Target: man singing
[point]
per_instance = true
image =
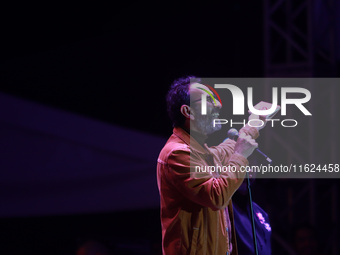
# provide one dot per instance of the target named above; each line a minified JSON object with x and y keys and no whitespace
{"x":196,"y":208}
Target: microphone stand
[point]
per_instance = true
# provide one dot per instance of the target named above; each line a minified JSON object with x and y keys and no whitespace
{"x":251,"y":207}
{"x":233,"y":134}
{"x":252,"y":216}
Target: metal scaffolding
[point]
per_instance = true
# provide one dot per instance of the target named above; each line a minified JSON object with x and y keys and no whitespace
{"x":297,"y":43}
{"x":300,"y":41}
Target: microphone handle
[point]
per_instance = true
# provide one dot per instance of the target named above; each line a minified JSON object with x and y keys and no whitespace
{"x":233,"y":134}
{"x":269,"y":160}
{"x":252,"y":216}
{"x":264,"y":155}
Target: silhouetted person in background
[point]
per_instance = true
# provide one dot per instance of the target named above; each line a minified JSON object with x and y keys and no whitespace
{"x":92,"y":248}
{"x":305,"y":240}
{"x":243,"y":224}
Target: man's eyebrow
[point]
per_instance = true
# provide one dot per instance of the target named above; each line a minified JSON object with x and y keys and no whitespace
{"x":212,"y":95}
{"x":215,"y":93}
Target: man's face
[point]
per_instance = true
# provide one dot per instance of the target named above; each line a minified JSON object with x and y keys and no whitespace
{"x":204,"y":123}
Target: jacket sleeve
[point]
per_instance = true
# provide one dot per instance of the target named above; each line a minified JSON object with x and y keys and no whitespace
{"x":201,"y":187}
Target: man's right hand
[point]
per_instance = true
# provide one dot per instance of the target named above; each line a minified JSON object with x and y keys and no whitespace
{"x":245,"y":145}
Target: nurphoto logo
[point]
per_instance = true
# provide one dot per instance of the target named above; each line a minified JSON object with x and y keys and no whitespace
{"x":262,"y":108}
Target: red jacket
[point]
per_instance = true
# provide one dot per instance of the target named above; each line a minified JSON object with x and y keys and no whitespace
{"x":193,"y":214}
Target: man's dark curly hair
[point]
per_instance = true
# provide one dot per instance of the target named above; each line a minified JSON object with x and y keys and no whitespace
{"x":178,"y":95}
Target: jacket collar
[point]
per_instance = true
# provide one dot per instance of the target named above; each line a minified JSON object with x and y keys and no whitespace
{"x":189,"y":140}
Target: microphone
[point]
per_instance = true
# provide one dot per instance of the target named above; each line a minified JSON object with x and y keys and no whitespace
{"x":233,"y":134}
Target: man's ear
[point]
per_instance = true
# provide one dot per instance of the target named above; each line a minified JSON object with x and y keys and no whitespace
{"x":187,"y":112}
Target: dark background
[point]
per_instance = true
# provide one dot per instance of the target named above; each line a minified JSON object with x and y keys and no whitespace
{"x":114,"y":63}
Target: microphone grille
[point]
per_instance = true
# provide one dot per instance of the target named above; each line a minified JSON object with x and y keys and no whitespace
{"x":232,"y":134}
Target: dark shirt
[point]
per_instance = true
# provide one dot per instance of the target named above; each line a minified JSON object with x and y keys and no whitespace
{"x":244,"y":232}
